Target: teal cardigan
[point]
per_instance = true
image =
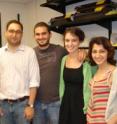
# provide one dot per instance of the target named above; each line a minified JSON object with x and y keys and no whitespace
{"x":87,"y":73}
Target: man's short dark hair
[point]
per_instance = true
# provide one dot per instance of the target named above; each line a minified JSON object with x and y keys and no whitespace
{"x":16,"y":22}
{"x":42,"y":24}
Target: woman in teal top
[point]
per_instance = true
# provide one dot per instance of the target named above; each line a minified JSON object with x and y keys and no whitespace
{"x":74,"y":78}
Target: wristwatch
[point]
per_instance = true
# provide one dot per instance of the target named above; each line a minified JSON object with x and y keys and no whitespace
{"x":30,"y":105}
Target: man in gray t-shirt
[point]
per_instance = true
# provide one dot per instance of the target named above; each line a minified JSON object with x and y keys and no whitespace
{"x":49,"y":57}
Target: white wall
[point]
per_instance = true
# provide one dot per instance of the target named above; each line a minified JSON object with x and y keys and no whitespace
{"x":30,"y":14}
{"x":9,"y":11}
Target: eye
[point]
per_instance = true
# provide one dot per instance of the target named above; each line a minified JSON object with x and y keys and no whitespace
{"x":66,"y":40}
{"x":94,"y":51}
{"x":102,"y":51}
{"x":37,"y":34}
{"x":13,"y":31}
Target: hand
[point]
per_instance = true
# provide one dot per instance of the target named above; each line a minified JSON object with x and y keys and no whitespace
{"x":82,"y":53}
{"x":29,"y":112}
{"x":1,"y":112}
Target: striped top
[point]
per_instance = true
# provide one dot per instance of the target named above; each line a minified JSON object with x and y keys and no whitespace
{"x":99,"y":96}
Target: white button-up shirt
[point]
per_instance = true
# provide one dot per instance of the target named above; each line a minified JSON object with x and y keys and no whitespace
{"x":18,"y":72}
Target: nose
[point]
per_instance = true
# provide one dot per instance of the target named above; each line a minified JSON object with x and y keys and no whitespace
{"x":97,"y":54}
{"x":40,"y":36}
{"x":70,"y":43}
{"x":14,"y":34}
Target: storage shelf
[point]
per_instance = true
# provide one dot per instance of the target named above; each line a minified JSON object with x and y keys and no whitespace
{"x":105,"y":22}
{"x":59,"y":27}
{"x":56,"y":5}
{"x":59,"y":5}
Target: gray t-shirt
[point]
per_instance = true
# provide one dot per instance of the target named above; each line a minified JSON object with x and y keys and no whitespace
{"x":49,"y":62}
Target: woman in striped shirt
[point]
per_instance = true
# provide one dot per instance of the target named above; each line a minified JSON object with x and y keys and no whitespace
{"x":101,"y":53}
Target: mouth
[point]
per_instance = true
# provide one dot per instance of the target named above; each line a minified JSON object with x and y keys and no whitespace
{"x":98,"y":60}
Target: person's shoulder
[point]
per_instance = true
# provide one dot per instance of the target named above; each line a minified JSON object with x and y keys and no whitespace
{"x":28,"y":48}
{"x":57,"y":46}
{"x":64,"y":57}
{"x":115,"y":70}
{"x":60,"y":49}
{"x":36,"y":48}
{"x":86,"y":62}
{"x":2,"y":48}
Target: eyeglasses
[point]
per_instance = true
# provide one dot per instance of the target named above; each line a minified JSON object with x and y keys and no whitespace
{"x":16,"y":32}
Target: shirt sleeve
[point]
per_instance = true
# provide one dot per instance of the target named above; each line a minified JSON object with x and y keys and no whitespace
{"x":34,"y":71}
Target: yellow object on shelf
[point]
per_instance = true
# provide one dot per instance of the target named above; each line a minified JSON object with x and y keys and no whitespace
{"x":99,"y":7}
{"x":113,"y":12}
{"x":68,"y":14}
{"x":100,"y":2}
{"x":114,"y":39}
{"x":114,"y":44}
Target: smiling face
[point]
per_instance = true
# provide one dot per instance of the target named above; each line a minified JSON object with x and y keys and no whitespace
{"x":42,"y":36}
{"x":99,"y":54}
{"x":13,"y":34}
{"x":71,"y":42}
{"x":101,"y":50}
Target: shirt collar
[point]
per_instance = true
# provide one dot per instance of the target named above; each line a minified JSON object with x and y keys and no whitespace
{"x":20,"y":47}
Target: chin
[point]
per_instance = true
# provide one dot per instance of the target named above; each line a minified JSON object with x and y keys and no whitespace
{"x":99,"y":63}
{"x":15,"y":44}
{"x":71,"y":51}
{"x":43,"y":45}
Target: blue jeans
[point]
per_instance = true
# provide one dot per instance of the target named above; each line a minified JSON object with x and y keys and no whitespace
{"x":46,"y":113}
{"x":13,"y":113}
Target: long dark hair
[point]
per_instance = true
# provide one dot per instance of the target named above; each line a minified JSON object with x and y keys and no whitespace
{"x":105,"y":42}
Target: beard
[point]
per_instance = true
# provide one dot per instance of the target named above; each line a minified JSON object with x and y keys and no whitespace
{"x":43,"y":45}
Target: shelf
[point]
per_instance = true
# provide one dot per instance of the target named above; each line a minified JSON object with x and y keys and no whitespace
{"x":59,"y":24}
{"x":115,"y":46}
{"x":105,"y":22}
{"x":69,"y":23}
{"x":59,"y":5}
{"x":57,"y":29}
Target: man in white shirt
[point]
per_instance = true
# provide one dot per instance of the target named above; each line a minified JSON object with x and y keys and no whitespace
{"x":19,"y":77}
